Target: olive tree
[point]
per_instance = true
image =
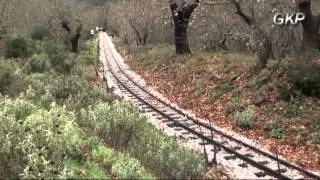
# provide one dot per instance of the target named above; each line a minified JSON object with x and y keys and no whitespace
{"x":181,"y":11}
{"x":61,"y":17}
{"x":311,"y":24}
{"x":139,"y":22}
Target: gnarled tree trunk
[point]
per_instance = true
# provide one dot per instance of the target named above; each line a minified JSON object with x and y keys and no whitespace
{"x":311,"y":25}
{"x":74,"y":38}
{"x":181,"y":12}
{"x":263,"y":45}
{"x":181,"y":38}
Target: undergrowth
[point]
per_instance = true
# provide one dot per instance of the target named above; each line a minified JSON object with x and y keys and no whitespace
{"x":55,"y":124}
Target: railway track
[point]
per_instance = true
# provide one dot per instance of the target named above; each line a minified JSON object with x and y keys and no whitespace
{"x":241,"y":156}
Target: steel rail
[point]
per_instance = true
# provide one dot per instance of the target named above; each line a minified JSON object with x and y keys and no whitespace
{"x":267,"y":170}
{"x":253,"y":148}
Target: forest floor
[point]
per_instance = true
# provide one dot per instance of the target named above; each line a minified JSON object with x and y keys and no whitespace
{"x":216,"y":85}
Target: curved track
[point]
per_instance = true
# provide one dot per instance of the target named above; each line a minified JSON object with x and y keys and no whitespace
{"x":210,"y":139}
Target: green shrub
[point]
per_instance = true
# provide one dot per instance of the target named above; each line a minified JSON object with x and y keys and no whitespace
{"x":38,"y":63}
{"x":200,"y":83}
{"x":316,"y":125}
{"x":234,"y":104}
{"x":276,"y":128}
{"x":34,"y":142}
{"x":121,"y":165}
{"x":89,"y":53}
{"x":104,"y":155}
{"x":236,"y":92}
{"x":73,"y":91}
{"x":214,"y":95}
{"x":75,"y":169}
{"x":316,"y":139}
{"x":304,"y":74}
{"x":16,"y":47}
{"x":96,"y":172}
{"x":219,"y":91}
{"x":294,"y":100}
{"x":245,"y":119}
{"x":168,"y":158}
{"x":121,"y":126}
{"x":226,"y":87}
{"x":288,"y":93}
{"x":6,"y":77}
{"x":277,"y":133}
{"x":71,"y":169}
{"x":293,"y":110}
{"x":19,"y":108}
{"x":40,"y":32}
{"x":61,"y":60}
{"x":129,"y":168}
{"x":12,"y":79}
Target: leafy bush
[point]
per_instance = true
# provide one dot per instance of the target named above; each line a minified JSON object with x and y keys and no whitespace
{"x":121,"y":165}
{"x":96,"y":172}
{"x":236,"y":92}
{"x":40,"y":32}
{"x":12,"y":79}
{"x":316,"y":139}
{"x":122,"y":127}
{"x":316,"y":125}
{"x":226,"y":87}
{"x":245,"y":119}
{"x":219,"y":91}
{"x":75,"y":169}
{"x":104,"y":155}
{"x":294,"y":100}
{"x":129,"y":168}
{"x":38,"y":63}
{"x":34,"y":142}
{"x":293,"y":109}
{"x":19,"y":109}
{"x":47,"y":143}
{"x":16,"y":47}
{"x":200,"y":83}
{"x":72,"y":91}
{"x":288,"y":93}
{"x":276,"y":128}
{"x":234,"y":104}
{"x":305,"y":74}
{"x":6,"y":77}
{"x":166,"y":157}
{"x":61,"y":60}
{"x":89,"y":53}
{"x":277,"y":133}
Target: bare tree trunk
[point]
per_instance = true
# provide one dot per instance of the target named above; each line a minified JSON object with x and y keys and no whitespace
{"x":311,"y":25}
{"x":263,"y":45}
{"x":145,"y":36}
{"x":263,"y":48}
{"x":74,"y":44}
{"x":74,"y":39}
{"x":181,"y":13}
{"x":181,"y":39}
